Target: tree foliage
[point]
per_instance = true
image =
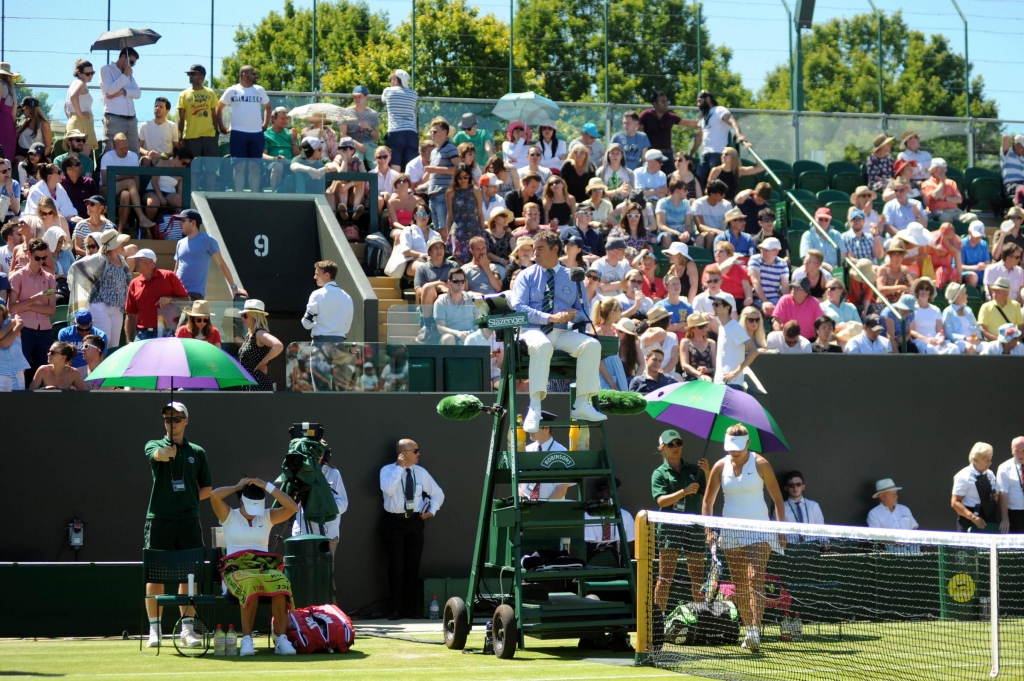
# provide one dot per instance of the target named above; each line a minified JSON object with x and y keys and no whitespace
{"x":920,"y":75}
{"x":280,"y":45}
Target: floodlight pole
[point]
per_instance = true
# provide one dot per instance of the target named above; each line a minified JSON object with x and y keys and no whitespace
{"x":511,"y":42}
{"x":878,"y":15}
{"x":312,"y":70}
{"x":211,"y":42}
{"x":792,"y":80}
{"x":606,"y":91}
{"x":108,"y":27}
{"x":700,"y":65}
{"x":967,"y":61}
{"x":412,"y":67}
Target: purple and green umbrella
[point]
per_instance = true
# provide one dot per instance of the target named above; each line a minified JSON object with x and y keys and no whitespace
{"x":169,"y":363}
{"x":708,"y":409}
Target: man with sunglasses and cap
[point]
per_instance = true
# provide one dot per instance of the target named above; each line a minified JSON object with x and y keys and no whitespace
{"x":75,"y":335}
{"x":410,"y":496}
{"x":197,"y":106}
{"x":469,"y":131}
{"x":181,"y":479}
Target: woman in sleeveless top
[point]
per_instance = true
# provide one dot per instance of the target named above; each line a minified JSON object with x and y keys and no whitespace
{"x":259,"y":347}
{"x":78,"y":103}
{"x":697,"y":351}
{"x":559,"y":205}
{"x":742,"y":477}
{"x":894,"y":279}
{"x":731,"y":171}
{"x":8,"y":111}
{"x":465,"y":213}
{"x":607,"y":314}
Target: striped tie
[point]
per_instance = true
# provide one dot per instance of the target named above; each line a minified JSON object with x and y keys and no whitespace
{"x":548,"y":305}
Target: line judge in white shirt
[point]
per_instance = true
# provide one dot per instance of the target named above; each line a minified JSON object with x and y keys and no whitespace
{"x":598,"y":535}
{"x":543,"y":442}
{"x":117,"y":81}
{"x":329,"y":310}
{"x":971,"y":486}
{"x":1010,"y":482}
{"x":410,"y":497}
{"x":889,"y":514}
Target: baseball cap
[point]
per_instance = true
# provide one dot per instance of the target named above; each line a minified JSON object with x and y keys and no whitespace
{"x":822,"y":211}
{"x":1018,"y":139}
{"x":360,"y":90}
{"x":771,"y":244}
{"x":96,"y":198}
{"x":873,"y":322}
{"x":857,"y":213}
{"x":615,"y":243}
{"x":591,"y":129}
{"x":403,"y":76}
{"x":37,"y":149}
{"x":801,"y":282}
{"x":976,"y":228}
{"x":176,"y":406}
{"x":345,"y":143}
{"x":654,"y":155}
{"x":939,"y":163}
{"x":669,"y":435}
{"x":724,"y":297}
{"x":573,"y":239}
{"x":83,"y":318}
{"x":146,"y":253}
{"x":197,"y":68}
{"x":489,"y":180}
{"x":313,"y":143}
{"x":190,"y":214}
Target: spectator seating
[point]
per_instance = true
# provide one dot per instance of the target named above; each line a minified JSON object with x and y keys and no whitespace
{"x":836,"y":167}
{"x":389,"y":295}
{"x":794,"y":236}
{"x":776,"y":165}
{"x":810,"y":175}
{"x":846,"y":182}
{"x":827,"y":196}
{"x":807,"y":198}
{"x":838,"y":208}
{"x":984,"y":188}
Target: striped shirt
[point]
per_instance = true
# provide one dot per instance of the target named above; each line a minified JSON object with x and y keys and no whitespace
{"x":445,"y":157}
{"x":1013,"y":166}
{"x":401,"y":104}
{"x":771,"y":275}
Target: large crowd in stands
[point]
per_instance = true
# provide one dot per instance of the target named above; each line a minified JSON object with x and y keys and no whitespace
{"x":679,"y":258}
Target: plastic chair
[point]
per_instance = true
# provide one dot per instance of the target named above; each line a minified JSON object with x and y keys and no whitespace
{"x":699,"y":255}
{"x":986,"y":193}
{"x":786,"y":180}
{"x":60,"y":314}
{"x":828,"y":195}
{"x":846,"y":182}
{"x":971,"y":173}
{"x":777,"y":165}
{"x":57,"y":326}
{"x":748,"y":182}
{"x":174,"y":567}
{"x":801,"y":167}
{"x":807,"y":199}
{"x":812,"y":180}
{"x":794,"y":236}
{"x":839,"y":209}
{"x":836,"y":167}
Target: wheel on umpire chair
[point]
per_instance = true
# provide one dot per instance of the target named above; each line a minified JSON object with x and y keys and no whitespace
{"x":456,"y":623}
{"x":506,"y":632}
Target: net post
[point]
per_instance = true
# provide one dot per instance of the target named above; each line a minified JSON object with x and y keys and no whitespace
{"x":993,"y":595}
{"x":643,"y":585}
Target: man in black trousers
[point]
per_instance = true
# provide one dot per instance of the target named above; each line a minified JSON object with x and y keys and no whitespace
{"x":410,"y":497}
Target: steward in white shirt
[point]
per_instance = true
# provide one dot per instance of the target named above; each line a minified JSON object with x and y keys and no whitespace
{"x":329,"y":310}
{"x":543,"y":442}
{"x":1010,"y":482}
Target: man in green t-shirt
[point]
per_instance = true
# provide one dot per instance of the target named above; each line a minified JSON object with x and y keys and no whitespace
{"x":678,"y":486}
{"x":196,"y":128}
{"x":282,"y":145}
{"x":181,"y":479}
{"x":481,"y":139}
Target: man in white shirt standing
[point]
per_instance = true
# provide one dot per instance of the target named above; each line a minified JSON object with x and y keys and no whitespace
{"x":246,"y":99}
{"x":543,"y":442}
{"x":1010,"y":484}
{"x":712,"y":136}
{"x":329,"y":310}
{"x":117,"y":81}
{"x":410,"y":497}
{"x":158,"y":136}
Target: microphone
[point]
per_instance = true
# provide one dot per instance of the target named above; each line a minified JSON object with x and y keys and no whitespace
{"x":577,"y":275}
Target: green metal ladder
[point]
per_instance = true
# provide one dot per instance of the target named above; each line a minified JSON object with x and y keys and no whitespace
{"x":532,"y":602}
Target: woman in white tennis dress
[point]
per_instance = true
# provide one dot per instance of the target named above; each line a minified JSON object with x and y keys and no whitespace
{"x":742,"y":476}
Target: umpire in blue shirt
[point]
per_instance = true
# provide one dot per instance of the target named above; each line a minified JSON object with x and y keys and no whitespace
{"x":547,"y":294}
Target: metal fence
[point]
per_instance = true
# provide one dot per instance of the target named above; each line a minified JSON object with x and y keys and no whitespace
{"x":784,"y":135}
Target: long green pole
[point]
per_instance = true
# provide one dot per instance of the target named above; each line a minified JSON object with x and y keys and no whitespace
{"x":211,"y":42}
{"x":511,"y":43}
{"x":412,"y":67}
{"x":700,"y":66}
{"x":967,"y":61}
{"x":606,"y":91}
{"x":312,"y":71}
{"x":789,"y":31}
{"x":878,"y":15}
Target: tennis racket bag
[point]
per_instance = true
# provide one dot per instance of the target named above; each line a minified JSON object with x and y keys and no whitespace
{"x":320,"y":628}
{"x":716,"y":623}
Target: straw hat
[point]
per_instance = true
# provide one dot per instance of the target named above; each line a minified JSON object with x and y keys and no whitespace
{"x":907,"y":136}
{"x":885,"y":485}
{"x":596,"y":183}
{"x":896,"y":246}
{"x":860,"y":191}
{"x":1015,"y":212}
{"x":695,"y":321}
{"x":916,"y":288}
{"x":5,"y":70}
{"x":880,"y":141}
{"x":255,"y":306}
{"x":657,"y":313}
{"x":954,"y":290}
{"x":500,"y":210}
{"x":627,"y":326}
{"x":733,"y":214}
{"x":520,"y":242}
{"x":200,"y":308}
{"x":866,"y":269}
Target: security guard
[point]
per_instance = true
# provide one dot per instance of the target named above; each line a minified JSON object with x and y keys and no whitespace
{"x":181,"y":479}
{"x":543,"y":442}
{"x":410,"y":497}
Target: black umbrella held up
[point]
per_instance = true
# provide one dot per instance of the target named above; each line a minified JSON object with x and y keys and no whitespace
{"x":125,"y":37}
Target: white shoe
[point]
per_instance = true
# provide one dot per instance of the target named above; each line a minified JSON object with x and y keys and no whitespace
{"x":190,"y":639}
{"x":282,"y":646}
{"x":587,"y":412}
{"x":246,"y":647}
{"x":752,"y":641}
{"x":531,"y":423}
{"x":154,"y":638}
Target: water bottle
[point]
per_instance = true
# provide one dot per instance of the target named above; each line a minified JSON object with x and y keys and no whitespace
{"x":520,"y":433}
{"x":160,"y":327}
{"x":786,"y":629}
{"x":798,"y":628}
{"x":231,"y":642}
{"x":583,"y":440}
{"x":435,"y":609}
{"x":219,"y":641}
{"x":574,"y":436}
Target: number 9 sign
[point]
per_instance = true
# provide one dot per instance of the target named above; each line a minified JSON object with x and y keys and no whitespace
{"x":262,"y":244}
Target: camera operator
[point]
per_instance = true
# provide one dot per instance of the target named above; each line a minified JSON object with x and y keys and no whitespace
{"x":330,"y":529}
{"x":181,"y":479}
{"x":410,"y":497}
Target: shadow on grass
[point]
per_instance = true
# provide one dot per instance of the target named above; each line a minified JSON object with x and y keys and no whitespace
{"x":4,"y":672}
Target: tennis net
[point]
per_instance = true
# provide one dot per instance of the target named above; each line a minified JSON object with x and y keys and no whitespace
{"x":828,"y":601}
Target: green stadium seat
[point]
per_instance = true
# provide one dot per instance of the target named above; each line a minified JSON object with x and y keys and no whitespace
{"x":986,"y":193}
{"x":960,"y":228}
{"x":839,"y":209}
{"x":940,"y":301}
{"x":812,"y":180}
{"x":748,"y":182}
{"x":776,"y":164}
{"x":878,"y":205}
{"x":785,"y":178}
{"x":801,"y":167}
{"x":977,"y":171}
{"x":836,"y":167}
{"x":933,"y":225}
{"x":797,"y":225}
{"x":839,"y":225}
{"x":794,"y":237}
{"x":828,"y":195}
{"x":698,"y":254}
{"x":59,"y":314}
{"x":807,"y":199}
{"x":846,"y":182}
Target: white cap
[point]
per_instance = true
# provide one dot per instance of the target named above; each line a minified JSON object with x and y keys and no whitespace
{"x":1007,"y":225}
{"x":177,"y":406}
{"x":736,"y":443}
{"x":679,"y":248}
{"x":938,"y":163}
{"x":977,"y":228}
{"x":490,"y":180}
{"x":655,"y":155}
{"x":771,"y":244}
{"x":1018,"y":139}
{"x":255,"y":507}
{"x":313,"y":143}
{"x":403,"y":77}
{"x":144,"y":253}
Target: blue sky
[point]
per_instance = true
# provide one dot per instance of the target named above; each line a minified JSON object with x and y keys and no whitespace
{"x":44,"y":50}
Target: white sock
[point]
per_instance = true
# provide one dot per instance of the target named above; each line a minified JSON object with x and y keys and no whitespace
{"x":535,"y":404}
{"x":581,"y":401}
{"x":186,"y":624}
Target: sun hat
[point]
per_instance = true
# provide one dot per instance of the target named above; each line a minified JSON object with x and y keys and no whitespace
{"x":896,"y":246}
{"x":468,"y":121}
{"x":669,"y":435}
{"x":866,"y":269}
{"x":906,"y":302}
{"x":72,"y":133}
{"x":678,"y":248}
{"x":520,"y":125}
{"x":596,"y":183}
{"x":849,"y":330}
{"x":627,"y":326}
{"x":861,"y":191}
{"x":520,"y":242}
{"x":1002,"y":283}
{"x":255,"y":306}
{"x":914,"y":233}
{"x":5,"y":70}
{"x":200,"y":308}
{"x":256,"y":507}
{"x":922,"y":281}
{"x":885,"y":485}
{"x":1008,"y":332}
{"x":880,"y":141}
{"x":1015,"y":211}
{"x":907,"y":136}
{"x":977,"y":228}
{"x":733,"y":214}
{"x":953,"y":290}
{"x":901,"y":164}
{"x":695,"y":321}
{"x":403,"y":77}
{"x":657,"y":313}
{"x":435,"y":241}
{"x":500,"y":210}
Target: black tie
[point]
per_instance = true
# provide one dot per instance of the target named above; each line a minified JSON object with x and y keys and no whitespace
{"x":799,"y":513}
{"x":409,"y":485}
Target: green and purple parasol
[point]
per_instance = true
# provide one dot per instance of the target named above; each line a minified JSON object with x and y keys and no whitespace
{"x":170,"y":363}
{"x":708,"y":409}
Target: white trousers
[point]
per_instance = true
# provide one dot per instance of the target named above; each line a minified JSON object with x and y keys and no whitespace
{"x":585,"y":349}
{"x":109,"y":320}
{"x":947,"y":348}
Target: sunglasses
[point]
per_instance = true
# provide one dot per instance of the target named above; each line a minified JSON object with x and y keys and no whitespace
{"x":47,"y":214}
{"x":901,"y":191}
{"x":173,"y":419}
{"x":794,"y":484}
{"x":633,"y":216}
{"x":824,"y":220}
{"x":86,"y":346}
{"x":533,"y":154}
{"x":244,"y":315}
{"x":201,"y":320}
{"x":38,"y":259}
{"x":4,"y":171}
{"x":713,"y":281}
{"x":593,"y":277}
{"x":382,"y":157}
{"x":675,"y":443}
{"x":718,"y":303}
{"x":457,"y":281}
{"x":421,"y":214}
{"x":88,"y":73}
{"x":833,"y":288}
{"x":51,"y":353}
{"x":74,"y":165}
{"x":416,"y":451}
{"x":584,"y":212}
{"x":556,"y":182}
{"x":92,"y":247}
{"x":753,"y":320}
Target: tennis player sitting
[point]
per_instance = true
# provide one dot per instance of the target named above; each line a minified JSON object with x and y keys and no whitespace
{"x":249,"y":571}
{"x":742,"y":476}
